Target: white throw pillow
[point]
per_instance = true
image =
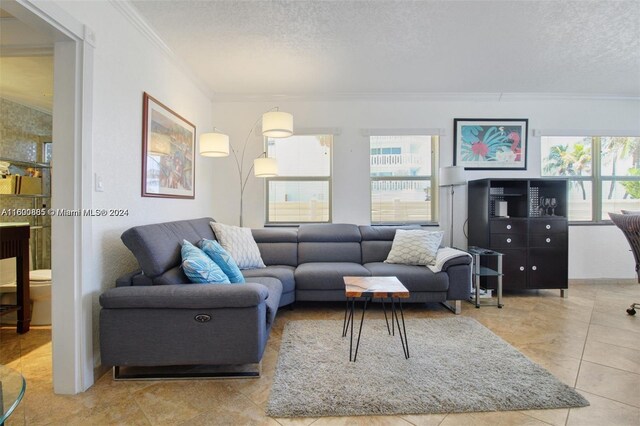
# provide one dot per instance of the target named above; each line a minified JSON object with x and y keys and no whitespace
{"x":415,"y":247}
{"x":240,"y":245}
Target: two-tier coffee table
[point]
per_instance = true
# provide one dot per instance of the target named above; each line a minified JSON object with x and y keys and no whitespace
{"x":371,"y":288}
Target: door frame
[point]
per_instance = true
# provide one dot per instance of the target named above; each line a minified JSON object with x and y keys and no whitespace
{"x":71,"y":236}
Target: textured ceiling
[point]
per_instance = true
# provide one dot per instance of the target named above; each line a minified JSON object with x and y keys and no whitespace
{"x":28,"y":80}
{"x":324,"y":48}
{"x":26,"y":64}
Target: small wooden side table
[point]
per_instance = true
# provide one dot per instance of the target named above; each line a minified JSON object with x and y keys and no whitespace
{"x":371,"y":288}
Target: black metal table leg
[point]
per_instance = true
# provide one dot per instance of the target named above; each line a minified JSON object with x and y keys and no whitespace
{"x":345,"y":324}
{"x":393,"y":314}
{"x":404,"y":329}
{"x":353,"y":303}
{"x":385,"y":315}
{"x":364,"y":308}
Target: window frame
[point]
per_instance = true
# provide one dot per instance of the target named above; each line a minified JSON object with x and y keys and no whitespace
{"x":328,"y":179}
{"x":433,"y":178}
{"x":596,"y":179}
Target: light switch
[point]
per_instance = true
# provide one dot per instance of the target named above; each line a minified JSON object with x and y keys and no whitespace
{"x":99,"y":185}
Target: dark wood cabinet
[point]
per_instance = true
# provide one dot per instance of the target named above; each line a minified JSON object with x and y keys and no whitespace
{"x":510,"y":216}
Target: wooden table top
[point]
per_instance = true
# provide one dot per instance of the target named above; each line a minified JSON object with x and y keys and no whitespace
{"x":375,"y":287}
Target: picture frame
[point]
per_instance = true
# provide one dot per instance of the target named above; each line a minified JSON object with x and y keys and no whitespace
{"x":168,"y":152}
{"x":490,"y":143}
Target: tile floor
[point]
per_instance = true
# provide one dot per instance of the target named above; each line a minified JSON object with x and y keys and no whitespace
{"x":587,"y":341}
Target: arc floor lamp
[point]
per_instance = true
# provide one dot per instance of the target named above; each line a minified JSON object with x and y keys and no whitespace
{"x":275,"y":124}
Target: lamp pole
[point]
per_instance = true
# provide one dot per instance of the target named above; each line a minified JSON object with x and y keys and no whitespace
{"x":452,"y":176}
{"x":240,"y":163}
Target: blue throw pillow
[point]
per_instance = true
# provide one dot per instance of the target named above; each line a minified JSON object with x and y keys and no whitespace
{"x":223,"y":259}
{"x":199,"y":267}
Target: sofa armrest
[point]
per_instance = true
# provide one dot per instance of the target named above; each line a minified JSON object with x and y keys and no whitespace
{"x":459,"y":260}
{"x":185,"y":296}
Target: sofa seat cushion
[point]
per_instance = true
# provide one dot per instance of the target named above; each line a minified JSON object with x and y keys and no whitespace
{"x":327,"y":275}
{"x":282,"y":272}
{"x":414,"y":277}
{"x":273,"y":299}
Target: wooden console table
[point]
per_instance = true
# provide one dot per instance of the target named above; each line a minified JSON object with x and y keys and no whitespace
{"x":14,"y":242}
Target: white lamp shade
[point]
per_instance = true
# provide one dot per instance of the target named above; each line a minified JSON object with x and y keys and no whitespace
{"x":265,"y":167}
{"x":277,"y":124}
{"x":452,"y":175}
{"x":214,"y":145}
{"x":159,"y":144}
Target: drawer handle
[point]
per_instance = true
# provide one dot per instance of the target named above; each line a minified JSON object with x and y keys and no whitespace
{"x":522,"y":268}
{"x":508,"y":226}
{"x":548,"y":240}
{"x":548,"y":226}
{"x":534,"y":268}
{"x":509,"y":240}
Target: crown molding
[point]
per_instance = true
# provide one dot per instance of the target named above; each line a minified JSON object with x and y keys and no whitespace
{"x":418,"y":97}
{"x":7,"y":51}
{"x":515,"y":96}
{"x":140,"y":23}
{"x":586,"y":132}
{"x":22,"y":102}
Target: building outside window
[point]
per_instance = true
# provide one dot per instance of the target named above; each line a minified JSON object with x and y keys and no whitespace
{"x":603,"y":173}
{"x":402,"y":178}
{"x":301,"y":193}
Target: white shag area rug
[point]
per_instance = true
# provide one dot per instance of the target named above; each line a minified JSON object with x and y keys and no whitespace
{"x":456,"y":365}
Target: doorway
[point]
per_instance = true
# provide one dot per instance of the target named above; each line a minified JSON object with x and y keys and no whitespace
{"x":71,"y":330}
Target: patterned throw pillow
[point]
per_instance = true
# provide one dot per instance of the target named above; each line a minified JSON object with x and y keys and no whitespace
{"x":222,"y":259}
{"x":415,"y":247}
{"x":199,"y":267}
{"x":239,"y":243}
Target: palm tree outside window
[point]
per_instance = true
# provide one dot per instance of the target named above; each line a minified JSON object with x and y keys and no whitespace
{"x":603,"y":173}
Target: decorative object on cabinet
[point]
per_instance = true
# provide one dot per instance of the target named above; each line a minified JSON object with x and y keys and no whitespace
{"x":535,"y":247}
{"x":452,"y":176}
{"x":168,"y":152}
{"x":490,"y":143}
{"x":275,"y":124}
{"x":629,"y":224}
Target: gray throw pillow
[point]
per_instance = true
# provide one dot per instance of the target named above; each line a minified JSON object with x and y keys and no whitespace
{"x":240,"y":245}
{"x":415,"y":247}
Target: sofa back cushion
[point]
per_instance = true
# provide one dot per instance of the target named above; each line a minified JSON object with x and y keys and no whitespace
{"x":277,"y":246}
{"x":157,"y":246}
{"x":377,"y":241}
{"x":337,"y":242}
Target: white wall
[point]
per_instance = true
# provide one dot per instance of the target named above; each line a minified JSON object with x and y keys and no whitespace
{"x":126,"y":64}
{"x":595,"y":251}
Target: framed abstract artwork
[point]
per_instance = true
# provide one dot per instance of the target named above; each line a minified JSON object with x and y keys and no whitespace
{"x":490,"y":143}
{"x":168,"y":152}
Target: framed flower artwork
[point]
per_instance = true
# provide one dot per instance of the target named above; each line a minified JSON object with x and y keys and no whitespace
{"x":490,"y":143}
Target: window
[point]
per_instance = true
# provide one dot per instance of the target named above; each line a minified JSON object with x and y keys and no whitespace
{"x":302,"y":191}
{"x":402,"y":177}
{"x":603,"y":173}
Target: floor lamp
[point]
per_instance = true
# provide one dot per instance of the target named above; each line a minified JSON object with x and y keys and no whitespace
{"x":452,"y":176}
{"x":275,"y":124}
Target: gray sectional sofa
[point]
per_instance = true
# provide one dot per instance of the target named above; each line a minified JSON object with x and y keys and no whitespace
{"x":151,"y":318}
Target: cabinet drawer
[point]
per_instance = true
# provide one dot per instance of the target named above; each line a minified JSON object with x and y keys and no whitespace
{"x":547,"y":226}
{"x":548,"y":239}
{"x":499,"y":241}
{"x":508,"y":226}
